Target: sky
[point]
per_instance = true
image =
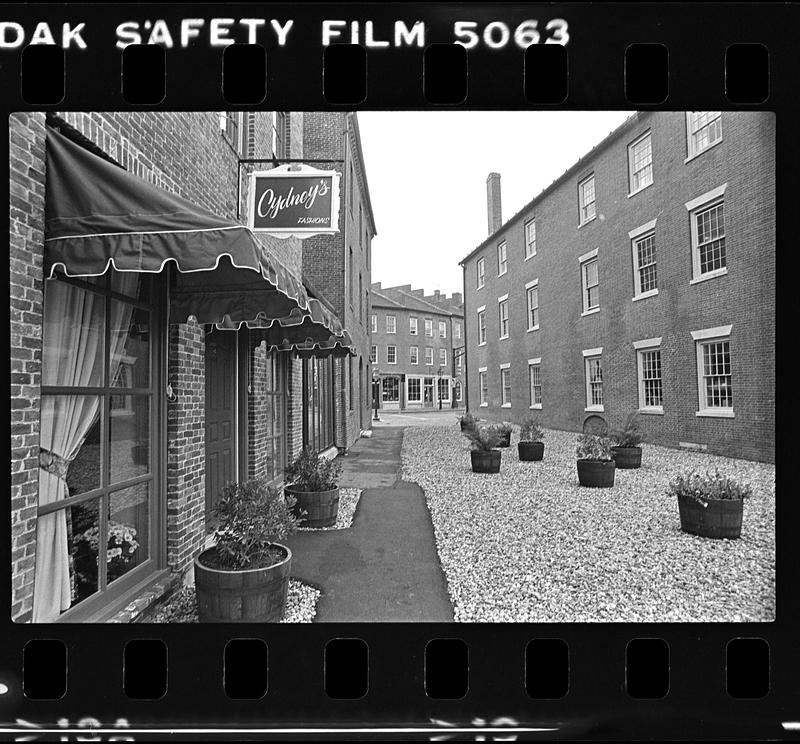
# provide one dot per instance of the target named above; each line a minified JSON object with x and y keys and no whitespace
{"x":427,"y":180}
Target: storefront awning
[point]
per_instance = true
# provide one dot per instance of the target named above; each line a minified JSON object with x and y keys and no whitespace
{"x":99,"y":216}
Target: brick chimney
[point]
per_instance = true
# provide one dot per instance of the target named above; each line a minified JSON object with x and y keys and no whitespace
{"x":457,"y":300}
{"x":493,"y":202}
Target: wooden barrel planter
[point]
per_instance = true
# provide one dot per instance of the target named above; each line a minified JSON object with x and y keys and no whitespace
{"x":485,"y":462}
{"x":627,"y":458}
{"x":720,"y":518}
{"x":530,"y":451}
{"x":321,"y":507}
{"x":596,"y":473}
{"x":254,"y":595}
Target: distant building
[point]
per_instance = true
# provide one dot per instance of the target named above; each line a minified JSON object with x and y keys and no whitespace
{"x":417,"y":347}
{"x":643,"y":279}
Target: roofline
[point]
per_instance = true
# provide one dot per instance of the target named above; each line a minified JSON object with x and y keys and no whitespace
{"x":389,"y":301}
{"x":438,"y":309}
{"x":359,"y":150}
{"x":605,"y":142}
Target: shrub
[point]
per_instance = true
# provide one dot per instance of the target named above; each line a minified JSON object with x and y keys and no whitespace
{"x":630,"y":435}
{"x":468,"y":420}
{"x":593,"y":447}
{"x":503,"y":429}
{"x":703,"y":487}
{"x":251,"y":515}
{"x":483,"y":438}
{"x":531,"y":431}
{"x":310,"y":472}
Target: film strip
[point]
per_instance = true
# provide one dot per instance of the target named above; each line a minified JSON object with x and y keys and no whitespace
{"x":113,"y":106}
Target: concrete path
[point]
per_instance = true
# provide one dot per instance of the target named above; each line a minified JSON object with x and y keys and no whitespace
{"x":384,"y":568}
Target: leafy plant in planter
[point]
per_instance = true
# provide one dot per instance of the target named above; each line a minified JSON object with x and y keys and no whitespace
{"x":244,"y":577}
{"x":315,"y":488}
{"x":626,"y":452}
{"x":467,"y":421}
{"x":504,"y":431}
{"x":710,"y":504}
{"x":483,"y":442}
{"x":530,"y":445}
{"x":595,"y":465}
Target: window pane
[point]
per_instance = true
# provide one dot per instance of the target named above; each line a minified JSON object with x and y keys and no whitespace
{"x":128,"y":530}
{"x":129,"y":437}
{"x":83,"y":534}
{"x":69,"y":422}
{"x":130,"y":346}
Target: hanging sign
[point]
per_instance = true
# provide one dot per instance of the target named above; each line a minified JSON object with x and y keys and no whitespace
{"x":292,"y":200}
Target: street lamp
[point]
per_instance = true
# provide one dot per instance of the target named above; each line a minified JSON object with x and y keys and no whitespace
{"x":439,"y":387}
{"x":376,"y":390}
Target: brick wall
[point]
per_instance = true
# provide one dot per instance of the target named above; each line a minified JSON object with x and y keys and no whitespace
{"x":26,"y":218}
{"x":186,"y":453}
{"x":259,"y":411}
{"x":743,"y":298}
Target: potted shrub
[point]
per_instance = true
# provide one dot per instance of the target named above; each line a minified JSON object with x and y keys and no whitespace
{"x":467,"y":421}
{"x":710,"y":505}
{"x":595,"y":464}
{"x":244,"y":577}
{"x":626,"y":452}
{"x":483,"y":453}
{"x":504,"y":432}
{"x":315,"y":489}
{"x":530,"y":445}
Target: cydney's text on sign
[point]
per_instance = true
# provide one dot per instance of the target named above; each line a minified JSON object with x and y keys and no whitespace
{"x":298,"y":201}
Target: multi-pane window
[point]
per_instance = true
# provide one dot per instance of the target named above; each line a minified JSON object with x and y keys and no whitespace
{"x":442,"y":329}
{"x":650,"y":388}
{"x":502,"y":306}
{"x":233,"y":125}
{"x":709,"y":238}
{"x":644,"y":256}
{"x":640,"y":163}
{"x":703,"y":129}
{"x":429,"y":327}
{"x":530,"y":238}
{"x":459,"y":358}
{"x":428,"y":355}
{"x":483,"y":386}
{"x":457,"y":330}
{"x":480,"y":269}
{"x":414,"y":389}
{"x":351,"y":277}
{"x":444,"y":389}
{"x":457,"y":388}
{"x":586,"y":200}
{"x":502,"y":259}
{"x":374,"y":323}
{"x":390,"y":388}
{"x":414,"y":354}
{"x":413,"y":326}
{"x":535,"y":381}
{"x":594,"y":382}
{"x":715,"y":374}
{"x":590,"y":282}
{"x":505,"y":386}
{"x":373,"y":354}
{"x":481,"y":327}
{"x":391,"y":324}
{"x":532,"y":295}
{"x":391,"y":355}
{"x":442,"y":357}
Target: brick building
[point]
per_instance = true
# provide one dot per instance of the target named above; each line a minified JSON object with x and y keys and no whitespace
{"x":168,"y":353}
{"x":642,"y":279}
{"x":417,"y":347}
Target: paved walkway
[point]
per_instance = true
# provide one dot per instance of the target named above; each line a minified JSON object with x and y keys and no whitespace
{"x":418,"y":417}
{"x":384,"y":568}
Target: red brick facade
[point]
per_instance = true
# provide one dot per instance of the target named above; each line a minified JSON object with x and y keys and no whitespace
{"x":743,"y":296}
{"x":188,"y":154}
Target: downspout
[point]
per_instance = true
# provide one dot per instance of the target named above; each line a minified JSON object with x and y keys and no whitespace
{"x":466,"y":336}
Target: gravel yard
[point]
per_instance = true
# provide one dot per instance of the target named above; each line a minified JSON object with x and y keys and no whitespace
{"x":531,"y":545}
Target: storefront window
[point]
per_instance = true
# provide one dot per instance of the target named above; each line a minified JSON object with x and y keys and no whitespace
{"x":318,"y":404}
{"x":96,"y":476}
{"x":391,"y":389}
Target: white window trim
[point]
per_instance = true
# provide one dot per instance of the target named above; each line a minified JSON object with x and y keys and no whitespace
{"x":588,"y":354}
{"x":482,"y":309}
{"x":501,"y":300}
{"x":642,"y":229}
{"x":391,"y":346}
{"x":525,"y":239}
{"x":588,"y":256}
{"x":485,"y":371}
{"x":428,"y":363}
{"x":647,"y":343}
{"x":413,"y":328}
{"x":537,"y":361}
{"x":442,"y":363}
{"x":530,"y":285}
{"x":502,"y":297}
{"x":709,"y":275}
{"x":394,"y":331}
{"x":648,"y":133}
{"x":581,"y":221}
{"x":411,"y":358}
{"x":504,"y":271}
{"x":590,"y":312}
{"x":593,"y":352}
{"x":709,"y":196}
{"x":581,"y":261}
{"x":477,"y":273}
{"x":645,"y":295}
{"x":691,"y":155}
{"x":721,"y":333}
{"x":505,"y":365}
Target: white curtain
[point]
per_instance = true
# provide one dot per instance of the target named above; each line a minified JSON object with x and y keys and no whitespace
{"x":72,"y":355}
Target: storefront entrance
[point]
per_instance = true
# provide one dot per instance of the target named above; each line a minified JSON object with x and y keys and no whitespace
{"x":220,"y":414}
{"x":428,"y":393}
